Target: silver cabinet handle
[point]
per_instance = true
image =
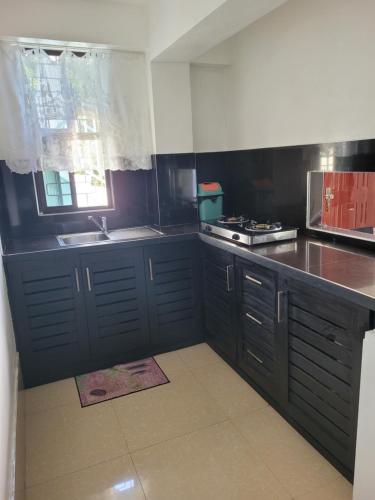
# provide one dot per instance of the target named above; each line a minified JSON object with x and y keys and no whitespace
{"x":254,"y":356}
{"x":279,"y":306}
{"x":150,"y":268}
{"x":229,"y":288}
{"x":88,"y":279}
{"x":253,"y":280}
{"x":77,"y":280}
{"x":253,"y":318}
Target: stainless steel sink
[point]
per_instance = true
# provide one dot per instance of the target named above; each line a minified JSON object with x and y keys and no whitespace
{"x":133,"y":233}
{"x":81,"y":238}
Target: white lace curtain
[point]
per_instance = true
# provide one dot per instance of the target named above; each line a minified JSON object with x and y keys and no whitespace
{"x":73,"y":112}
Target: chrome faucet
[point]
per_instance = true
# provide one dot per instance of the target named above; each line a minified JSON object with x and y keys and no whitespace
{"x":103,"y":226}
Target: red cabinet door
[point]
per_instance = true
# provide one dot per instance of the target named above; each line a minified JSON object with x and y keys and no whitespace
{"x":348,"y":199}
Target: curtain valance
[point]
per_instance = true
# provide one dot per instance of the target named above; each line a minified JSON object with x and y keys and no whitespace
{"x":73,"y":112}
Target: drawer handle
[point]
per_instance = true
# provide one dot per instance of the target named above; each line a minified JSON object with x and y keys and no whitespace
{"x":253,"y":318}
{"x":254,"y":356}
{"x":280,"y":295}
{"x":253,"y":280}
{"x":229,"y":270}
{"x":88,"y":279}
{"x":150,"y":269}
{"x":77,"y":280}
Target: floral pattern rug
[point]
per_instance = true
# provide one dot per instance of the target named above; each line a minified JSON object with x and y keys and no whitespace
{"x":119,"y":380}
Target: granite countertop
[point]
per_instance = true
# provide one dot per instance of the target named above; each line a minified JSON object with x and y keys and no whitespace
{"x":324,"y":263}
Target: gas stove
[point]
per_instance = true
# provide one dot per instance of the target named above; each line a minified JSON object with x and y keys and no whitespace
{"x":243,"y":230}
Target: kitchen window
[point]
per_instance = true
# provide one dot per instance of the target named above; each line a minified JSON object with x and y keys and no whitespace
{"x":71,"y":118}
{"x":64,"y":192}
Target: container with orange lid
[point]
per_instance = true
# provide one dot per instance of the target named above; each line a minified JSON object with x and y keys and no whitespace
{"x":210,"y":201}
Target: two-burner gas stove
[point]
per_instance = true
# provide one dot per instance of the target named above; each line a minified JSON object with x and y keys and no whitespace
{"x":245,"y":231}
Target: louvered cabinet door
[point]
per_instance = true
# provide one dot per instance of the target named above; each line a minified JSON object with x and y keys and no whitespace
{"x":325,"y":336}
{"x":49,"y":317}
{"x":174,"y":297}
{"x":219,"y":300}
{"x":114,"y":283}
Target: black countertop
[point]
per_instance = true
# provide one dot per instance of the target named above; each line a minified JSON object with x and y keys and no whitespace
{"x":24,"y":247}
{"x":337,"y":267}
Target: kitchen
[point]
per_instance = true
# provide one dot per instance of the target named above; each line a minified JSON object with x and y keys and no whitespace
{"x":204,"y":218}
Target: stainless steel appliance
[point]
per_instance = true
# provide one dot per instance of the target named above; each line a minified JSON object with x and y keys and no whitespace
{"x":248,"y":232}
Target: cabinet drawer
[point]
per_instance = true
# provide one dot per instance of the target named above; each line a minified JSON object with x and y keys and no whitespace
{"x":258,"y":364}
{"x":259,"y":336}
{"x":259,"y":316}
{"x":258,"y":286}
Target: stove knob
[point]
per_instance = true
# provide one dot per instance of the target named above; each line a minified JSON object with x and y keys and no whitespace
{"x":235,"y":237}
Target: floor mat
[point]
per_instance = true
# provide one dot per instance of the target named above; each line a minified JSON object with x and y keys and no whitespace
{"x":119,"y":380}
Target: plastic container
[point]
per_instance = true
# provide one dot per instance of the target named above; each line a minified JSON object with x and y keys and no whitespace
{"x":210,"y":201}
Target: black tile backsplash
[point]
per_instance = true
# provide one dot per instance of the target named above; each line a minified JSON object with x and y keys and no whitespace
{"x":19,"y":216}
{"x":270,"y":183}
{"x":177,"y":187}
{"x":265,"y":183}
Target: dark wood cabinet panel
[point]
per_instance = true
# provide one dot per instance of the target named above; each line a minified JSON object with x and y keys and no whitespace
{"x":116,"y":302}
{"x":325,"y":336}
{"x":173,"y":291}
{"x":49,"y":317}
{"x":220,"y":300}
{"x":259,"y":343}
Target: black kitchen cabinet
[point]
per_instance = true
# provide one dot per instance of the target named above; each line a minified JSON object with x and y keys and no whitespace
{"x":173,"y":291}
{"x":49,"y":317}
{"x":220,"y":300}
{"x":115,"y":291}
{"x":324,"y":335}
{"x":259,"y":346}
{"x":79,"y":310}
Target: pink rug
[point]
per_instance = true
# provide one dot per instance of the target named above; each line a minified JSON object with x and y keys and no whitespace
{"x":119,"y":380}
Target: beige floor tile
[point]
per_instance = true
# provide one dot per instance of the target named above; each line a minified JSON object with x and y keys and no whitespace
{"x":113,"y":480}
{"x":233,"y":394}
{"x":45,"y":397}
{"x":197,"y":356}
{"x":172,"y":365}
{"x":340,"y":489}
{"x":165,"y":412}
{"x":298,"y":466}
{"x":70,"y":438}
{"x":214,"y":463}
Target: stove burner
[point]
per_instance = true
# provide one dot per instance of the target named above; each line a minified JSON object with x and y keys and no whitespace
{"x":268,"y":227}
{"x":232,"y":220}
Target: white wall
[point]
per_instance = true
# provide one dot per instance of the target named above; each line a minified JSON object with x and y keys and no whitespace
{"x":209,"y":95}
{"x":364,"y":477}
{"x":170,"y":19}
{"x":172,"y":107}
{"x":304,"y":73}
{"x":93,"y":21}
{"x":7,"y":373}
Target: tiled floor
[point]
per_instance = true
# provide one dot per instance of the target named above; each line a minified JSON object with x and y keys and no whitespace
{"x":206,"y":435}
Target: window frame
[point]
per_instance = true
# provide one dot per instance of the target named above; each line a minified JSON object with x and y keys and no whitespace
{"x":40,"y":194}
{"x":41,"y":199}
